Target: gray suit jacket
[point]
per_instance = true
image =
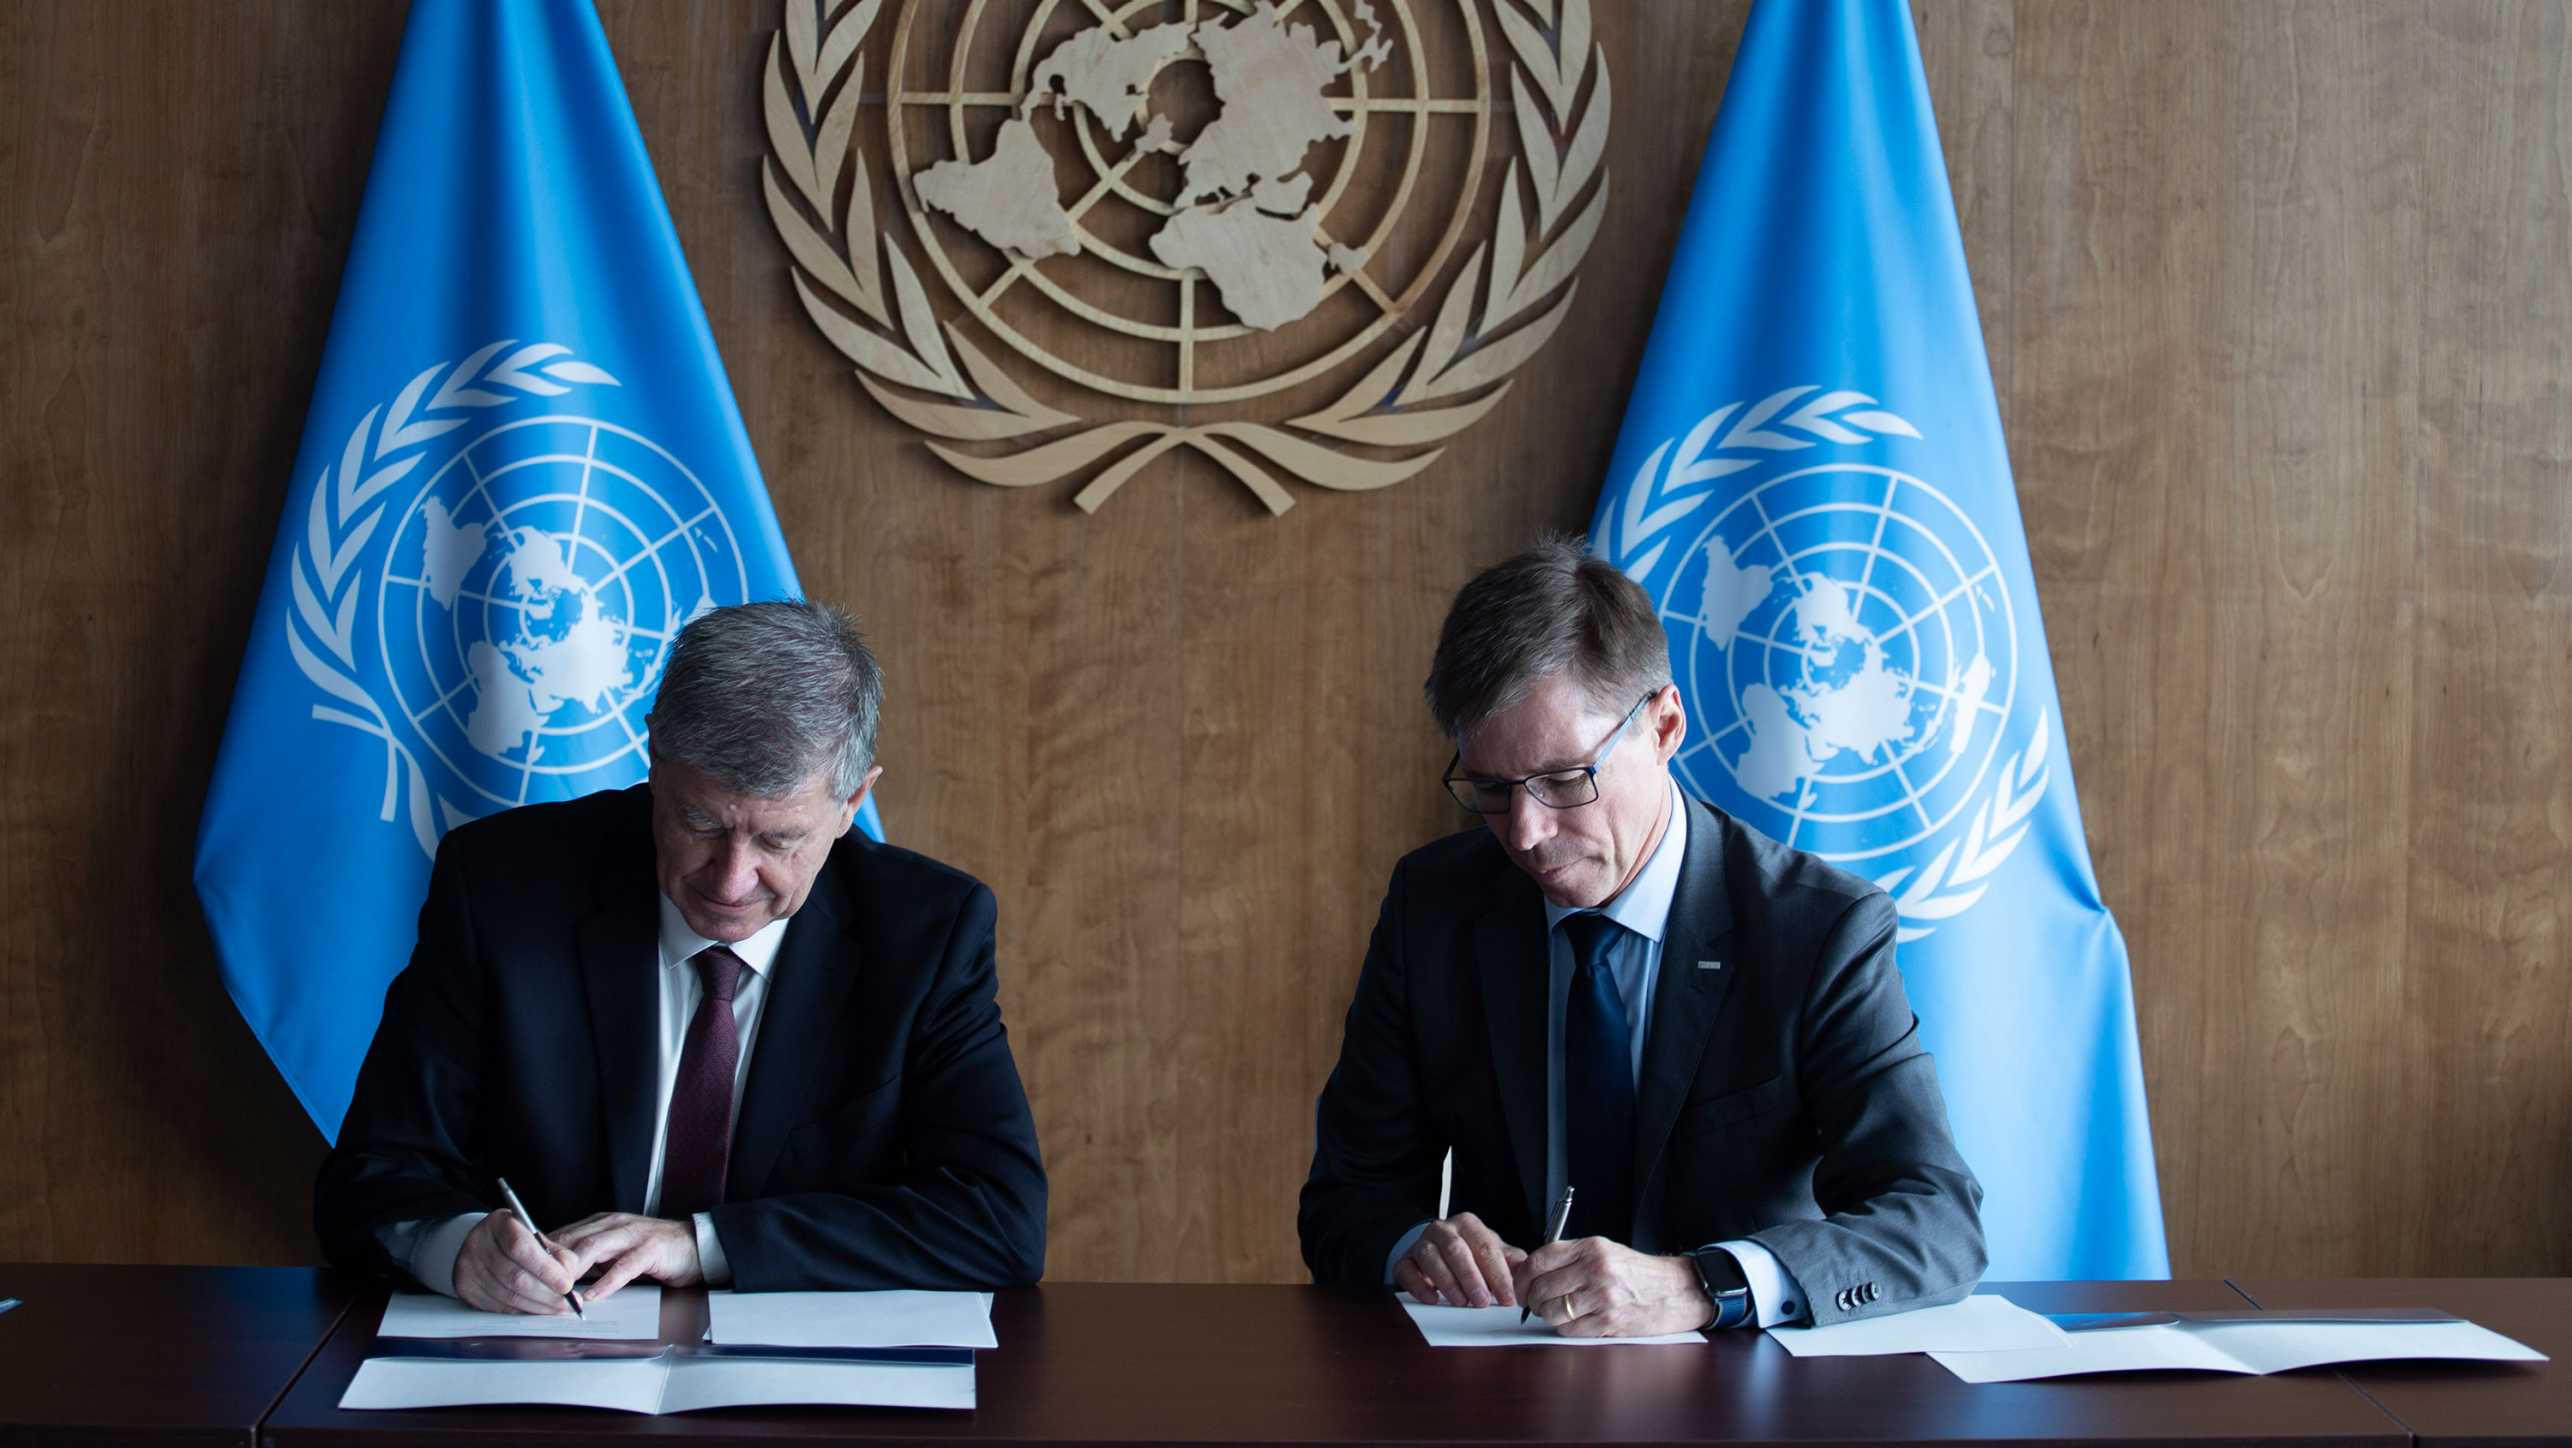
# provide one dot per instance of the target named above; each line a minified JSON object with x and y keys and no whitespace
{"x":1785,"y":1095}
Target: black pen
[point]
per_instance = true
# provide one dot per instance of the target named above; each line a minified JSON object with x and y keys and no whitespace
{"x":520,"y":1208}
{"x":1562,"y":1219}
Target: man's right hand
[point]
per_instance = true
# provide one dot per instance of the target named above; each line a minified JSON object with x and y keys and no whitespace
{"x":1458,"y":1262}
{"x":501,"y":1269}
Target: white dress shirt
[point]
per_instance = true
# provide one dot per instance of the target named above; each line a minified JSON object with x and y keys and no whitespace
{"x":432,"y":1247}
{"x":1634,"y":958}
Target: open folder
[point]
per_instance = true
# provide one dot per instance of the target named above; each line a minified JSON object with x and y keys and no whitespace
{"x":674,"y":1379}
{"x":2239,"y":1342}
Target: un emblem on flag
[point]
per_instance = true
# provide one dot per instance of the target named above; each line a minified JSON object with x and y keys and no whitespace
{"x":527,"y":567}
{"x":1847,"y":642}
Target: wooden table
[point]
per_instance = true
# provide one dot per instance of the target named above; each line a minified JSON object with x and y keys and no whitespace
{"x":156,"y":1354}
{"x":1093,"y":1363}
{"x":237,"y":1355}
{"x":2461,"y":1403}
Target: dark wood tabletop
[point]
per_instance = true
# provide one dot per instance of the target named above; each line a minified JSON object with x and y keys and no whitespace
{"x":155,"y":1354}
{"x":2456,"y":1404}
{"x":1095,"y":1363}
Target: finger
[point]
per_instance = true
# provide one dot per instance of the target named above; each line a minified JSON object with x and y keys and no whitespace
{"x":1432,"y":1264}
{"x":1536,"y":1264}
{"x":622,"y":1271}
{"x":598,"y":1248}
{"x":1493,"y":1263}
{"x":1565,"y":1310}
{"x":549,"y":1271}
{"x":500,"y":1289}
{"x":589,"y":1226}
{"x":539,"y":1296}
{"x":1467,"y":1272}
{"x":1408,"y":1277}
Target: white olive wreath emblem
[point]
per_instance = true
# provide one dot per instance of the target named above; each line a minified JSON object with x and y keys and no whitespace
{"x":346,"y":505}
{"x":1670,"y":487}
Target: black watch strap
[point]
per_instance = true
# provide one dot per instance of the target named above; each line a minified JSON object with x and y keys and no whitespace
{"x":1721,"y":1275}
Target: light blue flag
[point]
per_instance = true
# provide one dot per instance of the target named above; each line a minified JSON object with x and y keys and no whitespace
{"x":521,"y":472}
{"x":1812,"y":486}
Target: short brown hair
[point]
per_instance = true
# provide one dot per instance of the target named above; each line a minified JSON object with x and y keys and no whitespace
{"x":1552,"y":608}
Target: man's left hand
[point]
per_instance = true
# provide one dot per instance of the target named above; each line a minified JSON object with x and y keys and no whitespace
{"x":620,"y":1247}
{"x":1592,"y":1287}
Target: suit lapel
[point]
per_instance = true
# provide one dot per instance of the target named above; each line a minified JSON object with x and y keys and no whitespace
{"x":1509,"y":945}
{"x":620,"y":948}
{"x":809,"y":984}
{"x":1685,"y":1002}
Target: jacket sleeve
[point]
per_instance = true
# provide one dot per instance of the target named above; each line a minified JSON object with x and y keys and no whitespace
{"x":1375,"y":1166}
{"x":1901,"y":1225}
{"x":966,"y":1207}
{"x":405,"y":1146}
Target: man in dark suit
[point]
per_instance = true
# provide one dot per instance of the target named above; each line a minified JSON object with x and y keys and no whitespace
{"x":1616,"y":989}
{"x":736,"y":1040}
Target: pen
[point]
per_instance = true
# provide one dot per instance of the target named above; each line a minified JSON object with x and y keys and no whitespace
{"x":520,"y":1208}
{"x":1562,"y":1219}
{"x":7,"y":1302}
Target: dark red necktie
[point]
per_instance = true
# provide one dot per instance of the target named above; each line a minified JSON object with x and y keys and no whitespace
{"x":700,"y":1133}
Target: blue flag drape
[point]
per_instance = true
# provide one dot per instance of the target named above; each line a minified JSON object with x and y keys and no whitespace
{"x":1812,"y":485}
{"x":521,"y":472}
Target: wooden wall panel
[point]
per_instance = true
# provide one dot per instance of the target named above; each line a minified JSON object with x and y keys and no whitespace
{"x":2278,"y":299}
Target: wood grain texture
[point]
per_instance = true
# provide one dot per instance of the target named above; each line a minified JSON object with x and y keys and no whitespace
{"x":2279,"y":304}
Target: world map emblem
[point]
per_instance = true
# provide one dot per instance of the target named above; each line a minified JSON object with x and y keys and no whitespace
{"x":1847,"y":643}
{"x":489,"y":582}
{"x":1258,"y":230}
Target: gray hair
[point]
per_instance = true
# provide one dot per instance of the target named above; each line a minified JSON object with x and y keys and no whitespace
{"x":1552,"y":608}
{"x":760,"y":695}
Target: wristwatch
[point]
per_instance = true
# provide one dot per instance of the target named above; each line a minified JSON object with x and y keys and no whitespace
{"x":1720,"y":1274}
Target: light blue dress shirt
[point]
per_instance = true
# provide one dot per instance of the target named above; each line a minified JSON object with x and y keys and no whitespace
{"x":1634,"y":957}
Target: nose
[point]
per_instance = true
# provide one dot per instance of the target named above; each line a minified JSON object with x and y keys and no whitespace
{"x":1530,"y":824}
{"x":733,"y":871}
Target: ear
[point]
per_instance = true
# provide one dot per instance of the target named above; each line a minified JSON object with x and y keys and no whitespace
{"x":1668,"y":722}
{"x":857,"y":801}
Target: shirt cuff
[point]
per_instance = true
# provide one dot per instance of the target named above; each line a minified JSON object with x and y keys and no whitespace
{"x":1402,"y":1249}
{"x":1773,"y":1294}
{"x":430,"y":1246}
{"x":710,"y":1259}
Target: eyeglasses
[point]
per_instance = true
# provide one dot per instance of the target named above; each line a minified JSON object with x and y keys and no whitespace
{"x":1557,"y":789}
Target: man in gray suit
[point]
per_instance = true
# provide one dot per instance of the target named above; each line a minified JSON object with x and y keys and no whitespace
{"x":1617,"y":990}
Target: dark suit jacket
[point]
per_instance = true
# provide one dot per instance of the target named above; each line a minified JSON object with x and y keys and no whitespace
{"x":1785,"y":1096}
{"x":883,"y":1138}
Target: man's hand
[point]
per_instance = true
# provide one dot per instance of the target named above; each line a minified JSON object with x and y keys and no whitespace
{"x":620,"y":1247}
{"x":501,"y":1269}
{"x":1593,"y":1287}
{"x":1459,"y":1262}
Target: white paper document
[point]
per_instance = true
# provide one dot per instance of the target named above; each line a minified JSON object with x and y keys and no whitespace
{"x":669,"y":1383}
{"x":2237,"y":1347}
{"x":633,"y":1314}
{"x":852,"y":1319}
{"x":1986,"y":1322}
{"x":1500,"y":1327}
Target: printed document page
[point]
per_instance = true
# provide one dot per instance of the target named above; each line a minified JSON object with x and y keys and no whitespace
{"x":634,"y":1313}
{"x":1985,"y":1322}
{"x":1500,"y":1327}
{"x":852,"y":1319}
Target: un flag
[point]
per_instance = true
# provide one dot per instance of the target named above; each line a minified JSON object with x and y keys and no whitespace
{"x":522,"y":472}
{"x":1811,"y":484}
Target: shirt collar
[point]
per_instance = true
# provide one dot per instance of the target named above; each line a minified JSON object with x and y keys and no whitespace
{"x":679,"y":944}
{"x":1643,"y":906}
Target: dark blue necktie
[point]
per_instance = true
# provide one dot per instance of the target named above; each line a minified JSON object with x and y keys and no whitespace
{"x":1598,"y":1085}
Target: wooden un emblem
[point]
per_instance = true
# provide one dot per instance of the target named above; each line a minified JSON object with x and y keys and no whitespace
{"x":1224,"y":225}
